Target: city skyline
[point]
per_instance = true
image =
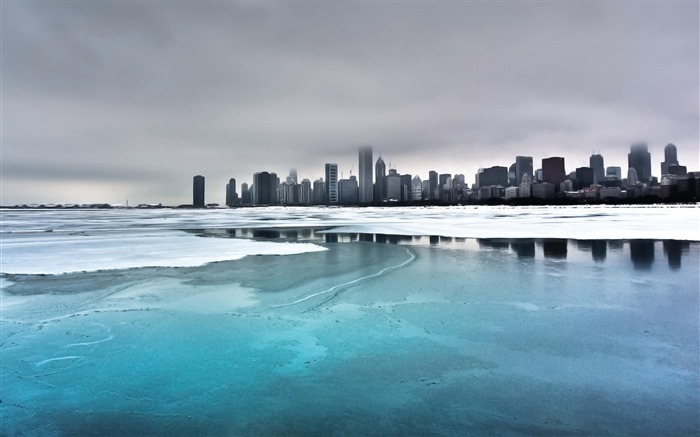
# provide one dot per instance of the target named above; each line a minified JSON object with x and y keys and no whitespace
{"x":104,"y":102}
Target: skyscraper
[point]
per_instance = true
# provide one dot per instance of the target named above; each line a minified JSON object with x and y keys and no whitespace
{"x":198,"y":191}
{"x":433,"y":180}
{"x":670,"y":158}
{"x":379,"y":180}
{"x":596,"y":163}
{"x":231,"y":195}
{"x":639,"y":158}
{"x":366,"y":188}
{"x":553,"y":171}
{"x":523,"y":165}
{"x":332,"y":183}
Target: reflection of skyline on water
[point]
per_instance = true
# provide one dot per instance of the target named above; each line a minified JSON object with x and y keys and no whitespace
{"x":642,"y":253}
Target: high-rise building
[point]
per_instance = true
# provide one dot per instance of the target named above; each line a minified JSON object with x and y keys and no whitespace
{"x":365,"y":186}
{"x":523,"y":165}
{"x":379,"y":180}
{"x":596,"y":163}
{"x":348,"y":191}
{"x":331,"y":183}
{"x":553,"y":171}
{"x":433,"y":179}
{"x":265,"y":186}
{"x":639,"y":158}
{"x":306,"y":192}
{"x":198,"y":192}
{"x":670,"y":158}
{"x":416,"y":188}
{"x":585,"y":177}
{"x":231,"y":195}
{"x":319,"y":192}
{"x":393,"y":186}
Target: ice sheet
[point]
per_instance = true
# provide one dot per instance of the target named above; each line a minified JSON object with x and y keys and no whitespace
{"x":55,"y":253}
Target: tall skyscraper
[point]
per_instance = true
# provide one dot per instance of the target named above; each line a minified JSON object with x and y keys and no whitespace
{"x":670,"y":158}
{"x":585,"y":177}
{"x":596,"y":163}
{"x":433,"y":180}
{"x":379,"y":180}
{"x":198,"y":191}
{"x":366,"y":188}
{"x":553,"y":171}
{"x":639,"y":158}
{"x":231,"y":195}
{"x":331,"y":183}
{"x":523,"y":165}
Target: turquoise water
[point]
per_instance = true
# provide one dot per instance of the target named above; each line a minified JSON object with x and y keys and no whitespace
{"x":405,"y":336}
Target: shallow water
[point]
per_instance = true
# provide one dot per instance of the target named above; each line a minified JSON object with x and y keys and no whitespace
{"x":400,"y":335}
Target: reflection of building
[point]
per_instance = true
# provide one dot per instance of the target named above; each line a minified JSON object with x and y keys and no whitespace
{"x":642,"y":253}
{"x":198,"y":191}
{"x":640,"y":159}
{"x":365,"y":183}
{"x":674,"y":250}
{"x":523,"y":247}
{"x":554,"y":248}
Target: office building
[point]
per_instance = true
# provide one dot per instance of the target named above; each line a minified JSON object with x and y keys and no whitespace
{"x":523,"y":165}
{"x":265,"y":188}
{"x":198,"y":191}
{"x":596,"y":163}
{"x":496,"y":175}
{"x":331,"y":183}
{"x":393,"y":186}
{"x":365,"y":186}
{"x":348,"y":191}
{"x":670,"y":158}
{"x":433,"y":180}
{"x":416,"y":188}
{"x":231,"y":195}
{"x":379,"y":180}
{"x":585,"y":177}
{"x":639,"y":158}
{"x":553,"y":171}
{"x":319,"y":192}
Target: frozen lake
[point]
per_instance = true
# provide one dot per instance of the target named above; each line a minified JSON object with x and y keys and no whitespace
{"x":315,"y":321}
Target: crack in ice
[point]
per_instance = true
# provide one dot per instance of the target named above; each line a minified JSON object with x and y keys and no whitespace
{"x":354,"y":281}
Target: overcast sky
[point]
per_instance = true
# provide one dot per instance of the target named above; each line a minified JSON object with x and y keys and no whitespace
{"x":108,"y":101}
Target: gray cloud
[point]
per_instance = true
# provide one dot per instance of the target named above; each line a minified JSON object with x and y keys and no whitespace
{"x":160,"y":91}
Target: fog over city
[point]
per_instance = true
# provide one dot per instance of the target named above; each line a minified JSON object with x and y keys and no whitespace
{"x":108,"y":101}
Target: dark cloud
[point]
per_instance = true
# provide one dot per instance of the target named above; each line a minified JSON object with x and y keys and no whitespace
{"x":160,"y":91}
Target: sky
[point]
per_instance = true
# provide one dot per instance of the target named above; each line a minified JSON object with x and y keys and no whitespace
{"x":113,"y":101}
